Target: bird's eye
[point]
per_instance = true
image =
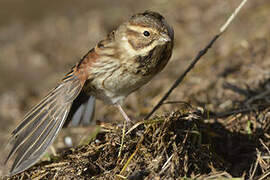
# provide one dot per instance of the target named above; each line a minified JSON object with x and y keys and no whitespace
{"x":146,"y":33}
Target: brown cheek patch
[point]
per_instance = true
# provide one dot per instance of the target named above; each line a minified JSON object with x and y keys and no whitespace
{"x":139,"y":44}
{"x":133,"y":43}
{"x":134,"y":39}
{"x":132,"y":33}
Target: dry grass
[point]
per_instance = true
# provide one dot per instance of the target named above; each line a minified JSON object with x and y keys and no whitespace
{"x":181,"y":144}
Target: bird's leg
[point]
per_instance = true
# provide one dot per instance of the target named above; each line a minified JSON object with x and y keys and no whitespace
{"x":123,"y":113}
{"x":128,"y":121}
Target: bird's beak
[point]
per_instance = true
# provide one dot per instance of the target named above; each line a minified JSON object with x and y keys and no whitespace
{"x":165,"y":38}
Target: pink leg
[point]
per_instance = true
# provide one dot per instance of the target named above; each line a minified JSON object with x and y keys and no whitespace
{"x":123,"y":113}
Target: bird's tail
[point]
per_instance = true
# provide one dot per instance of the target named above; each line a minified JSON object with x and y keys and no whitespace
{"x":82,"y":111}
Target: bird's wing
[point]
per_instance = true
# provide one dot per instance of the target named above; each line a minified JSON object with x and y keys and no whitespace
{"x":42,"y":124}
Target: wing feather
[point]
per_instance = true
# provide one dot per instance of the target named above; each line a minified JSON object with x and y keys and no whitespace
{"x":42,"y":124}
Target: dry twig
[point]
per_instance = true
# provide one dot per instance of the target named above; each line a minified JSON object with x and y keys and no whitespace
{"x":197,"y":58}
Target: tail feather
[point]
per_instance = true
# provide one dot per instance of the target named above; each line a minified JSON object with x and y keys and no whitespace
{"x":89,"y":111}
{"x":41,"y":125}
{"x":85,"y":113}
{"x":82,"y":111}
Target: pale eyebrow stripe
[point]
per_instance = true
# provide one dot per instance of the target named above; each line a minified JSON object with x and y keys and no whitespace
{"x":140,"y":28}
{"x":136,"y":27}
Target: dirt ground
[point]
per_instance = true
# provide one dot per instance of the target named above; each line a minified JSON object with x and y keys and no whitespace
{"x":221,"y":131}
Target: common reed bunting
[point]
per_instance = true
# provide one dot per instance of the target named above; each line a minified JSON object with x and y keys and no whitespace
{"x":123,"y":62}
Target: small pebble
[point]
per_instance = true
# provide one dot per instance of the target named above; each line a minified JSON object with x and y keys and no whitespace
{"x":68,"y":141}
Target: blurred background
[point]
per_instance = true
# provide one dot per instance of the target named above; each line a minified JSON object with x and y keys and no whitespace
{"x":41,"y":40}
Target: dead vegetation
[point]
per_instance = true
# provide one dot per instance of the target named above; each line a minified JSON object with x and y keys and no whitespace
{"x":188,"y":143}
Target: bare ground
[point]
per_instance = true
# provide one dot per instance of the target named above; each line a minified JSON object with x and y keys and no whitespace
{"x":226,"y":131}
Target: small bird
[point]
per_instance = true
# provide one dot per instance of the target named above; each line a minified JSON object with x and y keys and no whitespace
{"x":127,"y":59}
